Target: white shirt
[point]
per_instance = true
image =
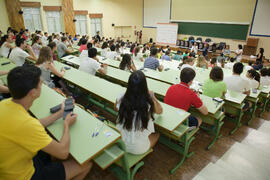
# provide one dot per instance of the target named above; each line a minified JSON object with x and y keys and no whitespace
{"x":186,"y":66}
{"x":237,"y":83}
{"x":111,"y":55}
{"x":36,"y":49}
{"x":252,"y":83}
{"x":195,"y":49}
{"x":103,"y":52}
{"x":137,"y":142}
{"x":56,"y":41}
{"x":44,"y":41}
{"x":248,"y":68}
{"x":89,"y":65}
{"x":4,"y":50}
{"x":265,"y":81}
{"x":84,"y":53}
{"x":229,"y":65}
{"x":239,"y":52}
{"x":18,"y":56}
{"x":138,"y":57}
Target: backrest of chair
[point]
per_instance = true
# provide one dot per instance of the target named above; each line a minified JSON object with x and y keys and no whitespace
{"x":178,"y":42}
{"x":208,"y":40}
{"x":182,"y":43}
{"x":201,"y":45}
{"x":199,"y":39}
{"x":191,"y":38}
{"x":186,"y":44}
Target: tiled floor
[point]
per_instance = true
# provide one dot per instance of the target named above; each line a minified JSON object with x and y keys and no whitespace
{"x":158,"y":163}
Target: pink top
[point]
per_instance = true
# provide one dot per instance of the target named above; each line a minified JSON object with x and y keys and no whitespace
{"x":83,"y":47}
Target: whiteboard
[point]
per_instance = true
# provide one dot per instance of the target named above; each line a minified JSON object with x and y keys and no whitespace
{"x":156,"y":11}
{"x":167,"y":33}
{"x":260,"y":22}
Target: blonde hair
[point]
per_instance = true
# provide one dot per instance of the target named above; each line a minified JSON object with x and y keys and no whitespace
{"x":202,"y":61}
{"x":44,"y":55}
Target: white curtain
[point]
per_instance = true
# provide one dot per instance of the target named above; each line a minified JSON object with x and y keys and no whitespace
{"x":54,"y":21}
{"x":96,"y":25}
{"x":81,"y":22}
{"x":32,"y":19}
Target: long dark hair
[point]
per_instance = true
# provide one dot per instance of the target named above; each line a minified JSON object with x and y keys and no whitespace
{"x":3,"y":40}
{"x":137,"y":50}
{"x":126,"y":62}
{"x":35,"y":39}
{"x":136,"y":99}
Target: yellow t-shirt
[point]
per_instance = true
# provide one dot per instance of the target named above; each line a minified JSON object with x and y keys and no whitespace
{"x":21,"y":137}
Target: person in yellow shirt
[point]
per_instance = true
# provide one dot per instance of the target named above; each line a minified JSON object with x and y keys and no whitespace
{"x":25,"y":147}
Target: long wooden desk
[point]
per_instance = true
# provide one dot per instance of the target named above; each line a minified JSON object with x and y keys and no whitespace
{"x":83,"y":146}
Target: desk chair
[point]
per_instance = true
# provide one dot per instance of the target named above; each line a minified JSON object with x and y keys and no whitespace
{"x":199,"y":39}
{"x":186,"y":44}
{"x":208,"y":40}
{"x":191,"y":38}
{"x":182,"y":43}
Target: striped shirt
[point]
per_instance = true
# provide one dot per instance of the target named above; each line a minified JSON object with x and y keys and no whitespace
{"x":151,"y":63}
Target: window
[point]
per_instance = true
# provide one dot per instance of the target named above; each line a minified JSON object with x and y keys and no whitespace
{"x":32,"y":19}
{"x":54,"y":21}
{"x":81,"y":24}
{"x":96,"y":25}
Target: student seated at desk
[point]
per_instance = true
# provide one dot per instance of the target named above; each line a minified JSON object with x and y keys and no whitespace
{"x":18,"y":54}
{"x":166,"y":49}
{"x":253,"y":77}
{"x":138,"y":56}
{"x":135,"y":115}
{"x":83,"y":46}
{"x":201,"y":62}
{"x":152,"y":62}
{"x":104,"y":49}
{"x":268,"y":69}
{"x":181,"y":96}
{"x":36,"y":45}
{"x":91,"y":65}
{"x":122,"y":47}
{"x":227,"y":52}
{"x":265,"y":81}
{"x":205,"y":49}
{"x":189,"y":62}
{"x":213,"y":62}
{"x":127,"y":63}
{"x":6,"y":46}
{"x":237,"y":83}
{"x":111,"y":54}
{"x":160,"y":52}
{"x":230,"y":64}
{"x":53,"y":47}
{"x":178,"y":56}
{"x":62,"y":48}
{"x":214,"y":86}
{"x":26,"y":148}
{"x":185,"y":54}
{"x":166,"y":56}
{"x":56,"y":39}
{"x":4,"y":91}
{"x":258,"y":65}
{"x":260,"y":55}
{"x":146,"y":50}
{"x":45,"y":63}
{"x":194,"y":48}
{"x":84,"y":53}
{"x":239,"y":53}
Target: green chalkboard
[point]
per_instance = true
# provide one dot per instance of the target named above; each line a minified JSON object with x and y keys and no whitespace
{"x":228,"y":31}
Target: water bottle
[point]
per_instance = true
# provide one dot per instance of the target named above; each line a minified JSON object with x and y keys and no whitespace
{"x":203,"y":67}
